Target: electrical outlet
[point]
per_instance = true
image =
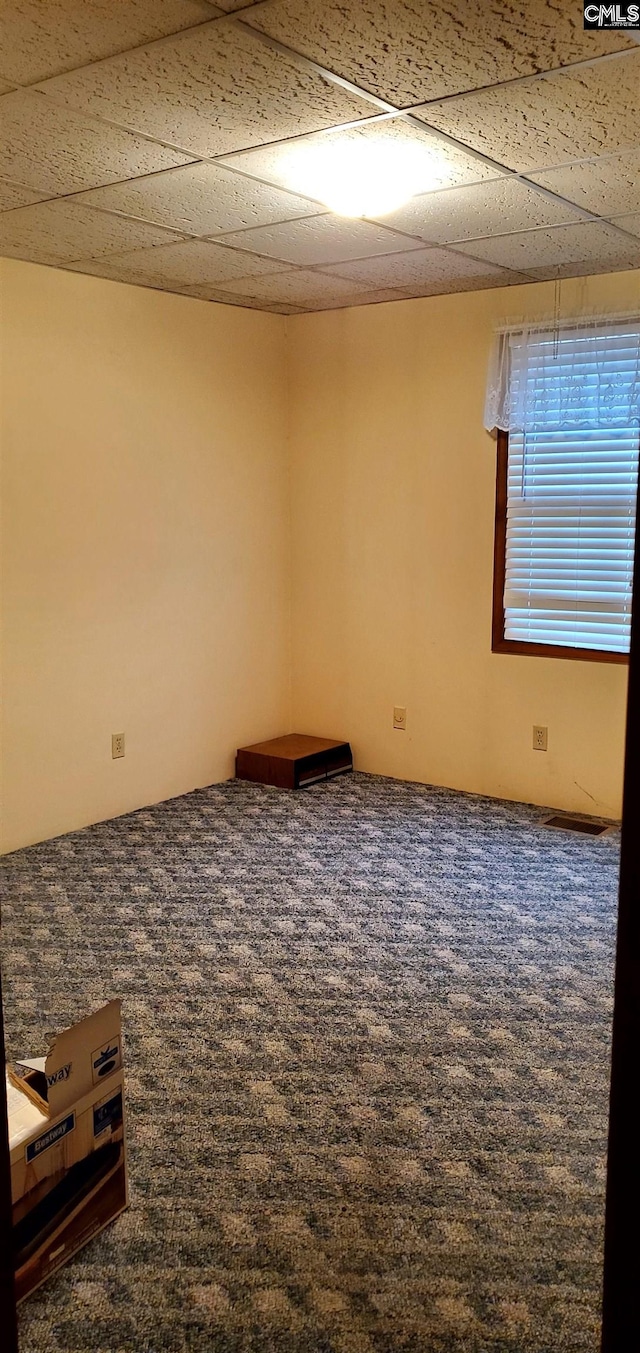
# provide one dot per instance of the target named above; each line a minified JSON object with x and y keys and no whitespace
{"x":400,"y":717}
{"x":117,"y":745}
{"x":540,"y":736}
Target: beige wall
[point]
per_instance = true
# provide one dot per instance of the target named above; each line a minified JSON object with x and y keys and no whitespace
{"x":393,"y":509}
{"x":145,"y":544}
{"x":151,"y":535}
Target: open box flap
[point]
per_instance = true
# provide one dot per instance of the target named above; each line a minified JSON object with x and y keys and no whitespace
{"x":83,"y":1056}
{"x":34,"y":1063}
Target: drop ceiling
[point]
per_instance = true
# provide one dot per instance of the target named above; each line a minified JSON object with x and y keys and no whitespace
{"x":142,"y":140}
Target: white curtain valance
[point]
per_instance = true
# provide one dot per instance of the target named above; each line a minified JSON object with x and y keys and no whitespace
{"x":581,"y":375}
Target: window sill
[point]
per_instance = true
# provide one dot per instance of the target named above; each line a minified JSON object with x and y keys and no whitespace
{"x":558,"y":651}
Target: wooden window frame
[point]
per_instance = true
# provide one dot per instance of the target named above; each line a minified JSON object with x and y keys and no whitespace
{"x":499,"y":644}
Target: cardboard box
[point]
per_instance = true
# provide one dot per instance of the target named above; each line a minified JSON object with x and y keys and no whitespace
{"x":67,"y":1144}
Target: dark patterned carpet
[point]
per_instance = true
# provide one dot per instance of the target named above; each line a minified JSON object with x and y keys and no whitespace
{"x":367,"y":1039}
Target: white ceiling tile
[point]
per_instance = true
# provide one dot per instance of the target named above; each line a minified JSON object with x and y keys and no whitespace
{"x":5,"y":87}
{"x":481,"y":209}
{"x":598,"y":246}
{"x":297,"y":287}
{"x":43,"y":37}
{"x":192,"y":263}
{"x":378,"y":296}
{"x":320,"y":239}
{"x":606,"y":186}
{"x":545,"y":122}
{"x":629,"y":222}
{"x":213,"y":90}
{"x":58,"y":151}
{"x":60,"y":231}
{"x":407,"y":51}
{"x":14,"y":195}
{"x":230,"y":298}
{"x":449,"y":166}
{"x":429,"y":270}
{"x":334,"y":302}
{"x":107,"y":271}
{"x":201,"y":199}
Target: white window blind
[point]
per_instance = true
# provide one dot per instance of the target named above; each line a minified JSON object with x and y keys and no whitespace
{"x":571,"y":488}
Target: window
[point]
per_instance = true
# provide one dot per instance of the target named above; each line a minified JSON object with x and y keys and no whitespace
{"x":566,"y":492}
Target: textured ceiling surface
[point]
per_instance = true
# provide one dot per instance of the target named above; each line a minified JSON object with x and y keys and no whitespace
{"x":143,"y":141}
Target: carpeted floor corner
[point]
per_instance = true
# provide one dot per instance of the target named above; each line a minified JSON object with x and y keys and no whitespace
{"x":367,"y":1040}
